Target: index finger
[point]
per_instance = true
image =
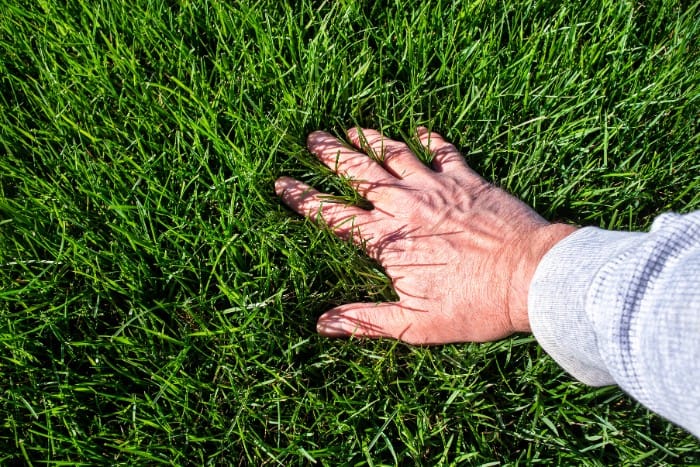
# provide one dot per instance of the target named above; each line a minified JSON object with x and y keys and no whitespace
{"x":346,"y":221}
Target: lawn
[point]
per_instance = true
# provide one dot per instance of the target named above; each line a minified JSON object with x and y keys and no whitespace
{"x":158,"y":302}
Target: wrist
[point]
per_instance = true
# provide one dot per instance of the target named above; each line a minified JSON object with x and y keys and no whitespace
{"x":533,"y":246}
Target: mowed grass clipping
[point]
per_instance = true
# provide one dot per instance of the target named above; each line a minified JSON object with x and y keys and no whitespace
{"x":158,"y":303}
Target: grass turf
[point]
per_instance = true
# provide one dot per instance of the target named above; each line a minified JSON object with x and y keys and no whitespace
{"x":157,"y":302}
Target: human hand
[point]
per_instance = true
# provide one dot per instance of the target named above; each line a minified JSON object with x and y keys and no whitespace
{"x":459,"y":251}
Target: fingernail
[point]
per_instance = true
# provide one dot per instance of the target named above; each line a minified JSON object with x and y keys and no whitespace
{"x":280,"y":186}
{"x":314,"y":135}
{"x":330,"y":326}
{"x":321,"y":324}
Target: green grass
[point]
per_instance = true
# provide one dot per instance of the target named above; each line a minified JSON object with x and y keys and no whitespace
{"x":158,"y":303}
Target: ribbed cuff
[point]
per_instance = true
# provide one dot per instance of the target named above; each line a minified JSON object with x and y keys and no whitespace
{"x":557,"y":300}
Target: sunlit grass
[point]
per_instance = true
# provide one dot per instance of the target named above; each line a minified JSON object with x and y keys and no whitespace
{"x":158,"y":303}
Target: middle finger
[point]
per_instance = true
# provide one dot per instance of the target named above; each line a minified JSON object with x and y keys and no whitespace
{"x":366,"y":176}
{"x":395,"y":156}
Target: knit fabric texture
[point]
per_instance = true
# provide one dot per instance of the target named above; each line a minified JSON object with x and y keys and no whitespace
{"x":624,"y":308}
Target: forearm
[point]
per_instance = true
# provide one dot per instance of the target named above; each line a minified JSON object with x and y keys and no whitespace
{"x":624,"y":308}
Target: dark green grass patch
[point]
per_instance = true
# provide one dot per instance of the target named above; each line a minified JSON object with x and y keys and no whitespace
{"x":158,"y":303}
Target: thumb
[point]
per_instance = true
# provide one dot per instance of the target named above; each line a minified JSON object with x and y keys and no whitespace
{"x":373,"y":320}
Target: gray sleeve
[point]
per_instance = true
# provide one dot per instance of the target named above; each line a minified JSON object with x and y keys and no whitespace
{"x":624,"y":308}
